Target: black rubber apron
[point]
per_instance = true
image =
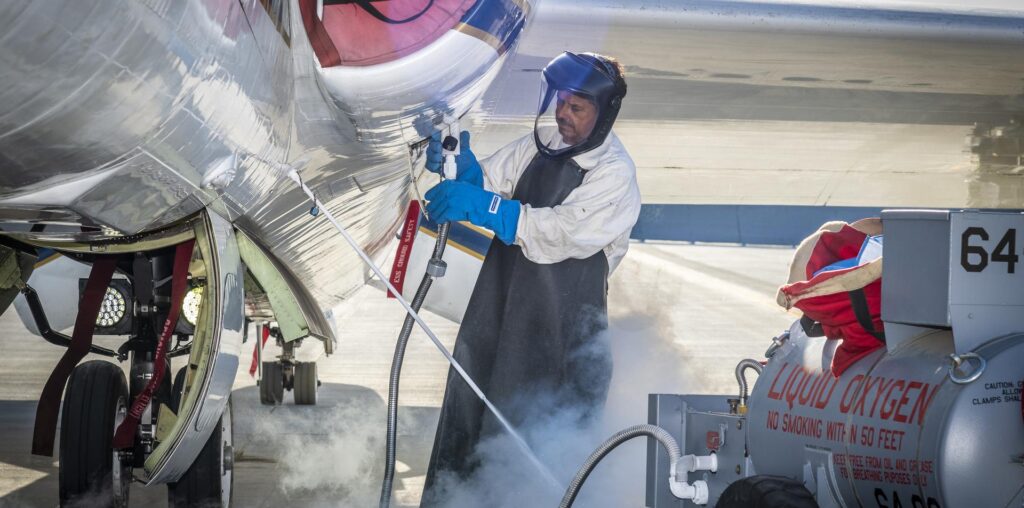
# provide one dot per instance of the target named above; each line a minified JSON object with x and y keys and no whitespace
{"x":528,"y":336}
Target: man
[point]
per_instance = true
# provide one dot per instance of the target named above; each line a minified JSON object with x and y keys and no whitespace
{"x":561,"y":203}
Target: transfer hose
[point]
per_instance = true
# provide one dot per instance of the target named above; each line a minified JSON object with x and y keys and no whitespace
{"x":435,"y":268}
{"x":588,"y":466}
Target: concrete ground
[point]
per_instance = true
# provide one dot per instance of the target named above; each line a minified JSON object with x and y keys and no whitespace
{"x":681,"y":316}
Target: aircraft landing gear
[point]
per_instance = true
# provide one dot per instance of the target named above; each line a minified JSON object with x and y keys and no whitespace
{"x":95,"y":403}
{"x":288,"y":374}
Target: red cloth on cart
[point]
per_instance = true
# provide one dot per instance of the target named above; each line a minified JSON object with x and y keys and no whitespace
{"x":832,"y":297}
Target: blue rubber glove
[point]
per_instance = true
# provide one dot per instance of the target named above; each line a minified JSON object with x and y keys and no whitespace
{"x":467,"y":168}
{"x":452,"y":200}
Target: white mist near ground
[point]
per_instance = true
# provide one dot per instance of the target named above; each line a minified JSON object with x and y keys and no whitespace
{"x":645,"y":361}
{"x":327,"y":458}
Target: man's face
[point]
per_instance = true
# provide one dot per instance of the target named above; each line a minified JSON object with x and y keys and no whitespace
{"x":576,"y":116}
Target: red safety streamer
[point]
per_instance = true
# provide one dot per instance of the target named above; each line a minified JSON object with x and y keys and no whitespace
{"x":81,"y":340}
{"x":401,"y":263}
{"x":259,"y":345}
{"x":124,"y":437}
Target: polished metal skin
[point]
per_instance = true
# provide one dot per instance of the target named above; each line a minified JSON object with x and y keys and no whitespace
{"x":120,"y":118}
{"x":124,"y":117}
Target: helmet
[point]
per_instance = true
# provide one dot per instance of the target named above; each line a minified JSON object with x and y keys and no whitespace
{"x":580,"y":98}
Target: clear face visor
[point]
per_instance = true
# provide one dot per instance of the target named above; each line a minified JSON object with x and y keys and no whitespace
{"x":565,"y":118}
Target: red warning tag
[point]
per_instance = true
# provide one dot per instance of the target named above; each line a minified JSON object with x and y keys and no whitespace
{"x":401,"y":263}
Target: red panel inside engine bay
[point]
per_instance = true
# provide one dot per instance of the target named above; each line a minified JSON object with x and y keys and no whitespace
{"x":351,"y":35}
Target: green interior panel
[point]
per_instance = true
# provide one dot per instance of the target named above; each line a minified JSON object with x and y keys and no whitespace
{"x":286,"y":307}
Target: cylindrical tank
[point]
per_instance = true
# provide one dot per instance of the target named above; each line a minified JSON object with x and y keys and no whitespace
{"x":894,"y":429}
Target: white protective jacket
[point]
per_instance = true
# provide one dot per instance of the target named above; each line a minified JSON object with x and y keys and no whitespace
{"x":599,"y":214}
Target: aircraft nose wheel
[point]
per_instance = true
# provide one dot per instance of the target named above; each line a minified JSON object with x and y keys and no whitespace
{"x":95,"y":403}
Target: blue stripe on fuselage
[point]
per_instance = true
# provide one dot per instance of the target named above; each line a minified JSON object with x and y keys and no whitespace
{"x":502,"y":19}
{"x":461,"y":234}
{"x":44,"y":256}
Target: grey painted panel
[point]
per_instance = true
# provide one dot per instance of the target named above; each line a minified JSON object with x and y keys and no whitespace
{"x":915,"y":280}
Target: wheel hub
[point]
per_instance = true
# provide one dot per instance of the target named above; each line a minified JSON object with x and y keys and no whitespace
{"x":121,"y":470}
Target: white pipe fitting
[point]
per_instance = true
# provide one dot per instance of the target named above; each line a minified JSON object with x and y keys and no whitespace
{"x":698,"y":490}
{"x":692,"y":463}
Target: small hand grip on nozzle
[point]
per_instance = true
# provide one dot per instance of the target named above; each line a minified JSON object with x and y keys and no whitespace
{"x":450,"y":148}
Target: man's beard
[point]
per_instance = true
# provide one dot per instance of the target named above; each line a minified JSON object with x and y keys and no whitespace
{"x":566,"y":131}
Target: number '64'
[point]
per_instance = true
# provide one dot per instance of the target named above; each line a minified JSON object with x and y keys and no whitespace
{"x":974,"y":257}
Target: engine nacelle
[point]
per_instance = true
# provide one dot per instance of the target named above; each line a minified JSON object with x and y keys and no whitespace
{"x":396,"y":81}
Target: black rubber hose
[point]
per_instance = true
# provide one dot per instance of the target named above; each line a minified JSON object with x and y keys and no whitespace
{"x":396,"y":369}
{"x":654,"y":431}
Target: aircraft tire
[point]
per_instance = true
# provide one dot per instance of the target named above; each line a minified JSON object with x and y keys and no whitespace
{"x":305,"y":383}
{"x":272,"y":384}
{"x":764,"y":491}
{"x":209,"y":481}
{"x":95,"y":403}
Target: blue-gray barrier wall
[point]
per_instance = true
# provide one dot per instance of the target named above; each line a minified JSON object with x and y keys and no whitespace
{"x":743,"y":224}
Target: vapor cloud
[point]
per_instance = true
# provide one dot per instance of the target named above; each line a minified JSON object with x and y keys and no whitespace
{"x":645,"y":361}
{"x":327,"y":458}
